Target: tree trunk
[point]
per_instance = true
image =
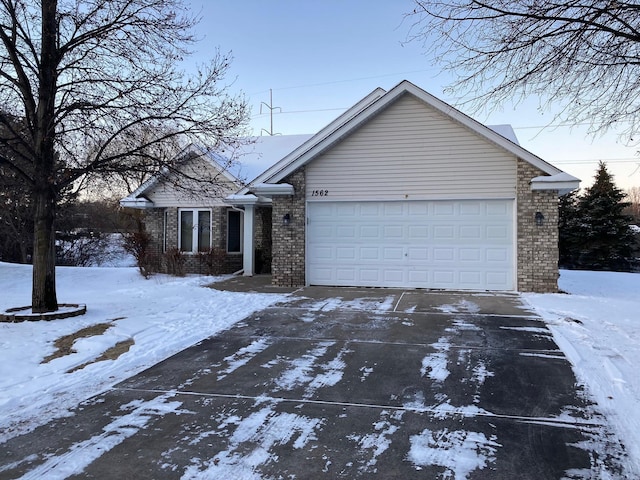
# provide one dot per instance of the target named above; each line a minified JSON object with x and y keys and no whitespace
{"x":43,"y":295}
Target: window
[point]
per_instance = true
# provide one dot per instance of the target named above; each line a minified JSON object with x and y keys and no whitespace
{"x":195,"y":230}
{"x":234,"y":231}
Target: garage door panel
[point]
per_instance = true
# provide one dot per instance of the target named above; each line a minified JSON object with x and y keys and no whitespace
{"x":417,"y":208}
{"x":345,"y":275}
{"x":393,"y":209}
{"x":346,"y":253}
{"x":471,"y":279}
{"x":497,"y":255}
{"x":443,"y":254}
{"x":473,"y":255}
{"x":443,"y":232}
{"x":369,"y":253}
{"x":471,"y":209}
{"x":430,"y":244}
{"x":394,"y":232}
{"x":496,"y":279}
{"x":392,"y":253}
{"x":371,"y":276}
{"x":416,"y":232}
{"x":393,"y":276}
{"x":345,"y":231}
{"x":418,"y":254}
{"x":498,"y":232}
{"x":369,"y":209}
{"x":369,"y":232}
{"x":471,"y":232}
{"x":498,"y":209}
{"x":443,"y":209}
{"x":443,"y":279}
{"x":322,"y":253}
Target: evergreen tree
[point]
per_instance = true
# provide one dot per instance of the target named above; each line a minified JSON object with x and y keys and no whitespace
{"x":605,"y":240}
{"x":570,"y":239}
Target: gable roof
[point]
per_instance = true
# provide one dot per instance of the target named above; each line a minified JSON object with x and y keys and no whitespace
{"x":256,"y":154}
{"x":372,"y":105}
{"x":138,"y":199}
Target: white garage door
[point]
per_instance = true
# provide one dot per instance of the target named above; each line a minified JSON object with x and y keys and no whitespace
{"x":466,"y":244}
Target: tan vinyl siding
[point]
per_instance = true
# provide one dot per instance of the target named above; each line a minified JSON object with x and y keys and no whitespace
{"x":192,"y":193}
{"x":163,"y":197}
{"x":411,"y":151}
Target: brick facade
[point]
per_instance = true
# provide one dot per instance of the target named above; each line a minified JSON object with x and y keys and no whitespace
{"x":537,"y":246}
{"x":288,"y":262}
{"x":217,"y":261}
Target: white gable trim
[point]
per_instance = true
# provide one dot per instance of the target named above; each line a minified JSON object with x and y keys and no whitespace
{"x":371,"y":106}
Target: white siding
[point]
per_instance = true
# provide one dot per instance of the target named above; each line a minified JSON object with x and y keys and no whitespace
{"x":411,"y":151}
{"x":193,"y":194}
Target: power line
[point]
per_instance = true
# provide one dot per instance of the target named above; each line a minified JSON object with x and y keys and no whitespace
{"x":334,"y":82}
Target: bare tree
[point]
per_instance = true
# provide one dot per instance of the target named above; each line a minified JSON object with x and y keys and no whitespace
{"x":633,"y":196}
{"x":16,"y":219}
{"x":583,"y":55}
{"x":86,"y":76}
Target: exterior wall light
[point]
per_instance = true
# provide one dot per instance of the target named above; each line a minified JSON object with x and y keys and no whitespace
{"x":286,"y":219}
{"x":539,"y":219}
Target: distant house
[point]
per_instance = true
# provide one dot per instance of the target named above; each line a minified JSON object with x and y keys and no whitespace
{"x":402,"y":190}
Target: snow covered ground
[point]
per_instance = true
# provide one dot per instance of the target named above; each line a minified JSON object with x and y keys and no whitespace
{"x":597,"y":326}
{"x":162,"y":315}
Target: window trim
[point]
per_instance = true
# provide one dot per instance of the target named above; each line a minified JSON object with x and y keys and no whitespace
{"x":194,"y":238}
{"x":241,"y":225}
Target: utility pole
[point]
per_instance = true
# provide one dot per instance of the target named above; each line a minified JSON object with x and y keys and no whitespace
{"x":271,"y":109}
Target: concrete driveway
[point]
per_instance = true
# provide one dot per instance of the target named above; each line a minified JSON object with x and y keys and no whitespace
{"x":342,"y":383}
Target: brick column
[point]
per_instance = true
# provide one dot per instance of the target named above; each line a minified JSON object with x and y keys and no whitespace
{"x":288,"y":241}
{"x":537,"y":246}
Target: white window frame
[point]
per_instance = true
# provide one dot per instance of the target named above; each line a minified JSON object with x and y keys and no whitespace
{"x":196,"y":226}
{"x":241,"y":219}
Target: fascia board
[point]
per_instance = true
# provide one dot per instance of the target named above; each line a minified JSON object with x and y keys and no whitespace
{"x":238,"y":199}
{"x":563,"y":182}
{"x":270,"y":189}
{"x":138,"y":203}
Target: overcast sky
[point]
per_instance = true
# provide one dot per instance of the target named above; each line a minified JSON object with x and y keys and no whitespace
{"x":320,"y":57}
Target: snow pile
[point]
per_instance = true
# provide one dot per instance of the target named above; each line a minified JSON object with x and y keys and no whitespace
{"x":162,"y":316}
{"x":597,"y":326}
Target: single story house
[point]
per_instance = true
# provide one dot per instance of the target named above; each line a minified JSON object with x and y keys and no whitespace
{"x":401,"y":190}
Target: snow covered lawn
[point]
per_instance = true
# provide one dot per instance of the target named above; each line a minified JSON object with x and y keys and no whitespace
{"x":598,"y":327}
{"x":162,"y":316}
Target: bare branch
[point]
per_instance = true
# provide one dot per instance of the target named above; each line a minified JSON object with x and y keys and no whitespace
{"x":580,"y":54}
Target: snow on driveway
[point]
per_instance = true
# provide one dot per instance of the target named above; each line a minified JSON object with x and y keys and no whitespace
{"x":596,"y":326}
